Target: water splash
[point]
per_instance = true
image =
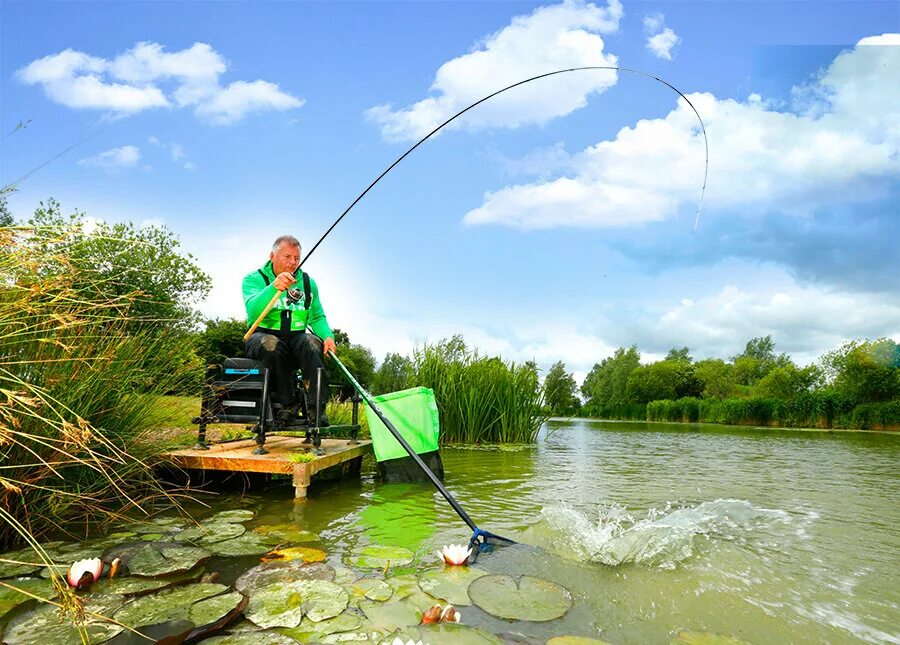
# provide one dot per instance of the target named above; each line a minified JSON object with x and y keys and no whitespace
{"x":663,"y":538}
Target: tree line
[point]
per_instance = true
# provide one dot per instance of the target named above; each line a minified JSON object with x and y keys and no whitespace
{"x":855,"y":385}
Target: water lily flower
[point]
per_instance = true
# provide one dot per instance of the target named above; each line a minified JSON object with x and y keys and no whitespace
{"x":82,"y":568}
{"x":432,"y":615}
{"x":455,"y":554}
{"x":399,"y":641}
{"x":114,"y":567}
{"x":450,"y":615}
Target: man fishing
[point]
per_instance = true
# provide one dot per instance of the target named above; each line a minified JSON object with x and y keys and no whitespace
{"x":281,"y":342}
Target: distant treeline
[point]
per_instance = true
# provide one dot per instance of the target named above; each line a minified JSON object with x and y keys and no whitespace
{"x":854,"y":386}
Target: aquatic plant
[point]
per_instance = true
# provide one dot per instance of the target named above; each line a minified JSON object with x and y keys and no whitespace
{"x":454,"y":554}
{"x":480,"y":399}
{"x":90,"y":567}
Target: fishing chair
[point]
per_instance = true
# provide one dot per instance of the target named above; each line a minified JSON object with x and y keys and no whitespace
{"x":239,"y":391}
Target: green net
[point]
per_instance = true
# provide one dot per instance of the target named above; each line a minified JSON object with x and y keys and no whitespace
{"x":414,"y":414}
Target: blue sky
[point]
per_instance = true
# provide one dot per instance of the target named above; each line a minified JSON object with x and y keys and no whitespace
{"x":553,"y":223}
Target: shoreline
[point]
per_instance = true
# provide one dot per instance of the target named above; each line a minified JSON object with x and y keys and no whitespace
{"x":700,"y":425}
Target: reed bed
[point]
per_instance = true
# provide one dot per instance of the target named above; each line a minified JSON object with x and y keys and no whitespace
{"x":74,"y":366}
{"x":480,"y":399}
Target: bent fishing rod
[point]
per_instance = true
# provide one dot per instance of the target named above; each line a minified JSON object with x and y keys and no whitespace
{"x":475,"y":104}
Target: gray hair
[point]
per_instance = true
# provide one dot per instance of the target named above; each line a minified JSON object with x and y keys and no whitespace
{"x":285,"y":239}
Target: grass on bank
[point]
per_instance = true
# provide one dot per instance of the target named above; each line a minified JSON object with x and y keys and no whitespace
{"x":72,"y":355}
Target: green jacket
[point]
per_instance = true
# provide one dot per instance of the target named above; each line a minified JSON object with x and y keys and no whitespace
{"x":258,"y":291}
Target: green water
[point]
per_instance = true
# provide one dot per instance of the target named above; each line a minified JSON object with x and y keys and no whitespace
{"x":769,"y":536}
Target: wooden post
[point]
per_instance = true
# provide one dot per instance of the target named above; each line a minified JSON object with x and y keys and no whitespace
{"x":301,"y":481}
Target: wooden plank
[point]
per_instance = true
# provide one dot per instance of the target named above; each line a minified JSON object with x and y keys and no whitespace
{"x":236,"y":456}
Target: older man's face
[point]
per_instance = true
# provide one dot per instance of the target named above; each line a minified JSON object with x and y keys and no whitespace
{"x":285,"y":258}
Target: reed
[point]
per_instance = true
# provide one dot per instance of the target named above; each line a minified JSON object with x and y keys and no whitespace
{"x":480,"y":399}
{"x":75,"y":364}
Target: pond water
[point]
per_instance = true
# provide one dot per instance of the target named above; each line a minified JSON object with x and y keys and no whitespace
{"x":655,"y":530}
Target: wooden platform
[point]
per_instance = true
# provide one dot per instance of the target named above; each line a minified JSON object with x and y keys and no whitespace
{"x":237,"y":456}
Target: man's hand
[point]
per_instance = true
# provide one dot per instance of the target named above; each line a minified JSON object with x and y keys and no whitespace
{"x":328,"y":344}
{"x":284,"y":281}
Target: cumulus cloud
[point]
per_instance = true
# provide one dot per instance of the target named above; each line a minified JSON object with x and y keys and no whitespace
{"x":146,"y":76}
{"x":660,"y":39}
{"x":551,"y":38}
{"x":661,"y":44}
{"x":805,"y":322}
{"x":760,"y":157}
{"x":114,"y":159}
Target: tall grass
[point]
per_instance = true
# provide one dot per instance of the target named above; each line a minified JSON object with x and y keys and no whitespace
{"x":480,"y":399}
{"x":74,"y":364}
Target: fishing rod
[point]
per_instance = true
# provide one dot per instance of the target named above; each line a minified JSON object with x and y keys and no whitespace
{"x":481,"y":539}
{"x":509,"y":87}
{"x":277,"y":295}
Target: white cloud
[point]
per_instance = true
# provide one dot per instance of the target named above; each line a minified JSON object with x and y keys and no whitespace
{"x":131,"y":81}
{"x":660,"y":39}
{"x":759,"y":156}
{"x":190,"y":165}
{"x":114,"y":159}
{"x":241,"y":98}
{"x":654,"y":23}
{"x":568,"y":35}
{"x":805,"y":322}
{"x":661,"y":44}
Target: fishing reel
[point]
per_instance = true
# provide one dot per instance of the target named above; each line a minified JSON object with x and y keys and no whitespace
{"x":294,"y":296}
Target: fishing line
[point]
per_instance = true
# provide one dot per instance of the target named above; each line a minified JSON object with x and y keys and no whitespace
{"x":12,"y":185}
{"x":509,"y":87}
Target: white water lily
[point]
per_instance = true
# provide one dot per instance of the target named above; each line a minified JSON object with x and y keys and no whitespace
{"x":399,"y":641}
{"x":455,"y":554}
{"x":93,"y":566}
{"x":450,"y":615}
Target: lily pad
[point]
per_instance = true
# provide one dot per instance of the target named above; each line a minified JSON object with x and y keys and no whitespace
{"x":450,"y":583}
{"x":10,"y":570}
{"x":247,"y":544}
{"x":42,"y":625}
{"x":237,"y":515}
{"x":706,"y":638}
{"x":283,"y":604}
{"x":210,"y":533}
{"x":269,"y":573}
{"x":343,"y":575}
{"x":534,"y":599}
{"x":576,"y":640}
{"x":391,"y":615}
{"x":171,"y":604}
{"x":450,"y":634}
{"x":377,"y":556}
{"x":286,"y":533}
{"x":9,"y":598}
{"x":308,"y":631}
{"x":157,"y":559}
{"x":251,"y":638}
{"x":306,"y":554}
{"x":136,"y":586}
{"x":404,"y":585}
{"x":213,"y":609}
{"x":372,"y":589}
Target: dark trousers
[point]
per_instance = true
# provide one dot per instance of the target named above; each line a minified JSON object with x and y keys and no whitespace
{"x":284,"y":352}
